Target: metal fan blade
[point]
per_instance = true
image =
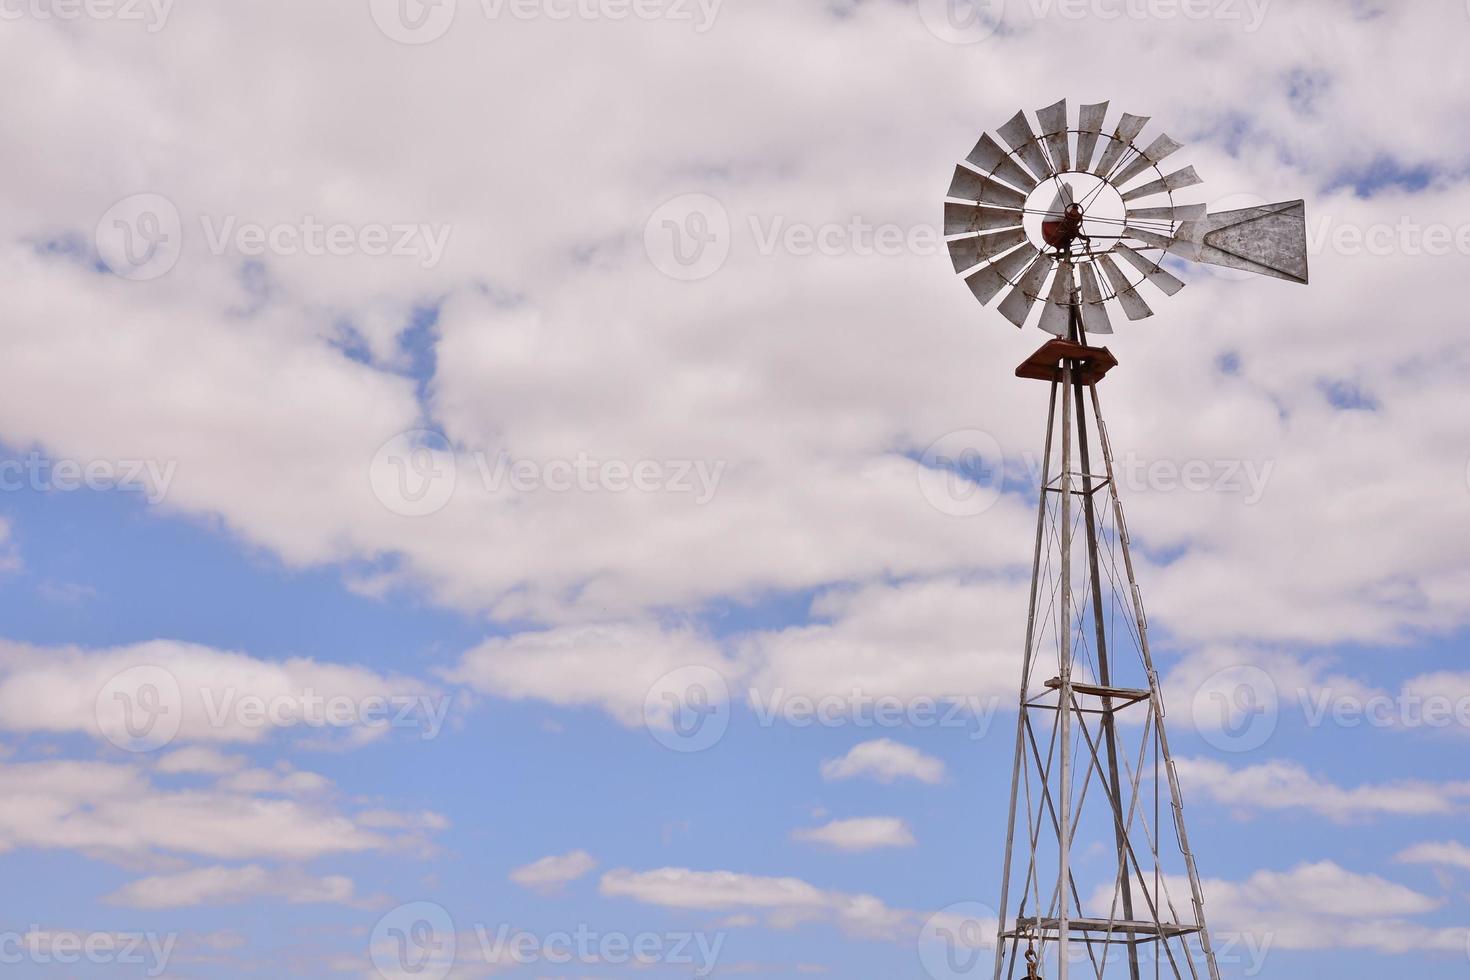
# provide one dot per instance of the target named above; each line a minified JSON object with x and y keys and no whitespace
{"x":1120,"y":142}
{"x":1160,"y":148}
{"x":1178,"y":180}
{"x":1181,"y":212}
{"x":1152,"y":271}
{"x":1026,"y":293}
{"x":1089,"y":128}
{"x":1053,"y":121}
{"x":1060,"y":200}
{"x":996,"y":276}
{"x":1056,"y":315}
{"x":970,"y":252}
{"x":1154,"y":239}
{"x":1133,"y":305}
{"x":1019,"y":135}
{"x":989,"y":157}
{"x":1270,"y":240}
{"x":970,"y":186}
{"x":1095,"y":317}
{"x":967,"y":219}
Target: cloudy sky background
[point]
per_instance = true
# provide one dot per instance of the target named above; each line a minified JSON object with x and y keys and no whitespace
{"x":340,"y":475}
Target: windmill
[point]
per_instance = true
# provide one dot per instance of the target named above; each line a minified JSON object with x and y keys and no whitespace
{"x":1080,"y":223}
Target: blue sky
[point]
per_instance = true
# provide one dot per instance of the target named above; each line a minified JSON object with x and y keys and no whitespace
{"x":504,"y":372}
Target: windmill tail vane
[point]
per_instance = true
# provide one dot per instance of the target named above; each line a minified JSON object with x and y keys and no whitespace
{"x":1062,"y":216}
{"x":1078,"y":222}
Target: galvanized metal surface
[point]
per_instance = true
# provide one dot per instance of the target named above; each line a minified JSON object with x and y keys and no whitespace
{"x":970,"y":219}
{"x":968,"y":185}
{"x":970,"y":252}
{"x":1157,"y":151}
{"x":1119,"y":143}
{"x":1152,"y":271}
{"x":1026,"y":293}
{"x":989,"y":157}
{"x":1022,"y":140}
{"x":1089,"y":129}
{"x":989,"y":281}
{"x":1054,"y":124}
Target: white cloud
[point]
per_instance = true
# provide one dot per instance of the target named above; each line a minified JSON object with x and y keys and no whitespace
{"x":200,"y":759}
{"x":551,"y":874}
{"x":612,"y":667}
{"x":1445,"y":854}
{"x":1325,"y":906}
{"x":1284,"y":785}
{"x":884,"y":760}
{"x":859,"y":834}
{"x":219,"y":885}
{"x":951,"y":639}
{"x":583,"y":347}
{"x":785,"y":902}
{"x":201,"y":694}
{"x":114,"y":811}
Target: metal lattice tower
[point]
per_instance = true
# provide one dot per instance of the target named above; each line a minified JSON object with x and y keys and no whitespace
{"x":1099,"y":876}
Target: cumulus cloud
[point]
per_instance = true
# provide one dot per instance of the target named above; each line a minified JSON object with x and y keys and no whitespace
{"x":1325,"y":906}
{"x":149,"y":695}
{"x":551,"y":874}
{"x":585,"y":347}
{"x":612,"y":667}
{"x":222,"y":885}
{"x":115,"y":811}
{"x":859,"y":834}
{"x":885,"y":761}
{"x":1285,"y":785}
{"x":1444,"y":854}
{"x":785,"y":902}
